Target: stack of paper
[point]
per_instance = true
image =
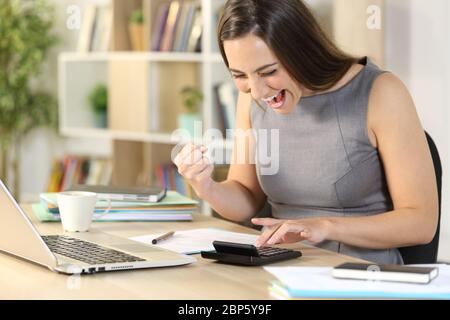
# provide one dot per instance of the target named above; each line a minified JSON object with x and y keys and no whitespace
{"x":173,"y":207}
{"x":305,"y":282}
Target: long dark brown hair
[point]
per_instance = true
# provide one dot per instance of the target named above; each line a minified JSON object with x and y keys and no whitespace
{"x":292,"y":33}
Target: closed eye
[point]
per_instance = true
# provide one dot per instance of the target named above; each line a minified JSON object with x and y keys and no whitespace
{"x":238,"y":76}
{"x":266,"y":74}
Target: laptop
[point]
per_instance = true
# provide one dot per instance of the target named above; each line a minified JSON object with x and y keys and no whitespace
{"x":76,"y":253}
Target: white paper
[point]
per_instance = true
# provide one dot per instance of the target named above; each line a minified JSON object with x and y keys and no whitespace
{"x":196,"y":240}
{"x":313,"y":282}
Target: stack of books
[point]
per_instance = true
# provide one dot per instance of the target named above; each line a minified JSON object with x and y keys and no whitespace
{"x":96,"y":29}
{"x":177,"y":27}
{"x":78,"y":170}
{"x":173,"y":207}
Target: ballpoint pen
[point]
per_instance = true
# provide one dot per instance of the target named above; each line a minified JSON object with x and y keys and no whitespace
{"x":163,"y":237}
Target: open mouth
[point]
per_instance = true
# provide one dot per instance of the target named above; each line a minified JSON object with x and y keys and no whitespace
{"x":277,"y":100}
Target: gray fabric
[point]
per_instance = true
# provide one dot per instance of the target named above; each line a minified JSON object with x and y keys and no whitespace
{"x":327,"y":165}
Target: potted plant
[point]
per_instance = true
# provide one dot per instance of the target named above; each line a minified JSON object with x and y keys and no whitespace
{"x":192,"y":99}
{"x":26,"y":33}
{"x":98,"y":100}
{"x":136,"y":30}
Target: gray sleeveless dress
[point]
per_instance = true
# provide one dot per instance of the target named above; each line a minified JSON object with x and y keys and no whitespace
{"x":327,"y":165}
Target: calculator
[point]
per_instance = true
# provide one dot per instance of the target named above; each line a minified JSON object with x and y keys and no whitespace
{"x":247,"y":254}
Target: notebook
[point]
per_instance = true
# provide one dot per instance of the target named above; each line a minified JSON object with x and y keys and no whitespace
{"x":393,"y":273}
{"x":318,"y":282}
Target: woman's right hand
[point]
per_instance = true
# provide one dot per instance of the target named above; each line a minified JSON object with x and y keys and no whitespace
{"x":195,"y":167}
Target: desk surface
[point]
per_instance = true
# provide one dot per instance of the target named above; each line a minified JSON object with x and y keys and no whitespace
{"x":204,"y":279}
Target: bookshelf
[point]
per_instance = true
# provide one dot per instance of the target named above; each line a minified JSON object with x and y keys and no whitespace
{"x":143,"y":86}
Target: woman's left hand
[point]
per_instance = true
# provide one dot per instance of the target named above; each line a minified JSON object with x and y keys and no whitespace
{"x":315,"y":230}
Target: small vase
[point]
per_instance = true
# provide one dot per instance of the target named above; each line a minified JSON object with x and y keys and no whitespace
{"x":101,"y":119}
{"x":187,"y":122}
{"x":136,"y":36}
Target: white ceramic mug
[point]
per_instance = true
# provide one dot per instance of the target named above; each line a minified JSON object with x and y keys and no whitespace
{"x":76,"y":209}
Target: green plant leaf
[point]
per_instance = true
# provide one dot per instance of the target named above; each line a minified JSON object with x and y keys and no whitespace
{"x":98,"y":98}
{"x":137,"y":16}
{"x":192,"y":99}
{"x":26,"y":36}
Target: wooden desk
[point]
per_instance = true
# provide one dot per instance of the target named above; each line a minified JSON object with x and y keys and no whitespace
{"x":203,"y":280}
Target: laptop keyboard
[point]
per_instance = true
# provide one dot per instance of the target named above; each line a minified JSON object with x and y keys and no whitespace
{"x":85,"y":251}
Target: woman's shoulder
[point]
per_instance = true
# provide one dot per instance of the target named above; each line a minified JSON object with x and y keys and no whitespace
{"x":388,"y":80}
{"x":389,"y":91}
{"x":389,"y":102}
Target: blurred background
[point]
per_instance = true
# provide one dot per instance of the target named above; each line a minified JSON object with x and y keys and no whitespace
{"x":91,"y":91}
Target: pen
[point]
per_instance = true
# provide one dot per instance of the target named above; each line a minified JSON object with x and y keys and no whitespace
{"x":163,"y":237}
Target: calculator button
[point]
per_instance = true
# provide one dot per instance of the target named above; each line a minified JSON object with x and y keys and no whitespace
{"x":270,"y":252}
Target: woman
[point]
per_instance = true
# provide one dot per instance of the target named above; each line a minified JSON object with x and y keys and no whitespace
{"x":355,"y":172}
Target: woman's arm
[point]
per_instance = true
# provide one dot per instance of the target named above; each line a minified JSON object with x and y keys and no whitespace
{"x":409,"y":170}
{"x":240,"y":197}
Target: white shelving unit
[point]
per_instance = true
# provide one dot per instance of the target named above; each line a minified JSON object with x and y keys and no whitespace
{"x":80,"y":72}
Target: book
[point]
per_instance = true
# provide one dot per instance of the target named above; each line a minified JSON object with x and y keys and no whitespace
{"x":394,"y":273}
{"x":159,"y":26}
{"x":180,"y":25}
{"x":69,"y":170}
{"x":222,"y":124}
{"x":44,"y":215}
{"x":196,"y":32}
{"x":122,"y":193}
{"x":55,"y":176}
{"x":87,"y":28}
{"x":96,"y":30}
{"x":95,"y":171}
{"x":167,"y":175}
{"x":189,"y":25}
{"x":179,"y":184}
{"x":228,"y":99}
{"x":184,"y":27}
{"x":106,"y":173}
{"x":103,"y":31}
{"x":171,"y":24}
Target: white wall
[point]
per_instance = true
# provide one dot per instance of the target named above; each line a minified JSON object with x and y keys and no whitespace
{"x":418,"y":51}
